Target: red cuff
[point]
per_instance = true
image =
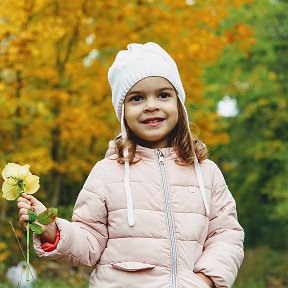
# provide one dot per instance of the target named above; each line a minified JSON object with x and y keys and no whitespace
{"x":48,"y":247}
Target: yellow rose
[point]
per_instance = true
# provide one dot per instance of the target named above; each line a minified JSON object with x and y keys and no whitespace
{"x":16,"y":171}
{"x":18,"y":179}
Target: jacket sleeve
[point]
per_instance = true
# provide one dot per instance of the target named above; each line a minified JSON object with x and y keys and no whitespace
{"x":223,"y":247}
{"x":83,"y":240}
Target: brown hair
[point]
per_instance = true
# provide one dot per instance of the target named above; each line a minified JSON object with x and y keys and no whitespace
{"x":180,"y":138}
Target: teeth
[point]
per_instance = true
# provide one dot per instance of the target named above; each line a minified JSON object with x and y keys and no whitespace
{"x":152,"y":121}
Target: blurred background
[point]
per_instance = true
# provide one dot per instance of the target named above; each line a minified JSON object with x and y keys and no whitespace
{"x":56,"y":112}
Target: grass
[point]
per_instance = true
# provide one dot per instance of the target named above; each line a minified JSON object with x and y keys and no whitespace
{"x":263,"y":268}
{"x":50,"y":284}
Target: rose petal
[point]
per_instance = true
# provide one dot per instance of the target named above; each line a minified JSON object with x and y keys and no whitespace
{"x":10,"y":192}
{"x":12,"y":181}
{"x":31,"y":184}
{"x":33,"y":189}
{"x":23,"y":172}
{"x":11,"y":169}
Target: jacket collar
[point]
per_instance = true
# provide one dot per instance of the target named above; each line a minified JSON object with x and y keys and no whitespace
{"x":143,"y":152}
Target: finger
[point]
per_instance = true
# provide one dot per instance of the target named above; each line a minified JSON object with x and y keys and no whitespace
{"x":22,"y":199}
{"x":23,"y":219}
{"x":23,"y":212}
{"x":24,"y":205}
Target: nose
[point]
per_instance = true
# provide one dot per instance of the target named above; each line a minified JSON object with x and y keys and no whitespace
{"x":151,"y":104}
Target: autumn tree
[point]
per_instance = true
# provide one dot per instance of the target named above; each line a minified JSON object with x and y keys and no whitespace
{"x":55,"y":99}
{"x":256,"y":159}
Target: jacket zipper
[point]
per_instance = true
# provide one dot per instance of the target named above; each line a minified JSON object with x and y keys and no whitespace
{"x":169,"y":216}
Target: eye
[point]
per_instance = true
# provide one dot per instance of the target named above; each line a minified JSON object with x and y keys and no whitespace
{"x":136,"y":98}
{"x":164,"y":95}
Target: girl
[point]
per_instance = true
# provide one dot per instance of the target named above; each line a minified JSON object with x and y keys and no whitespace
{"x":154,"y":212}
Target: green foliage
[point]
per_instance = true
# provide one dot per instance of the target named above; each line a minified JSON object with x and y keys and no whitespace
{"x":44,"y":218}
{"x":48,"y":216}
{"x":263,"y":267}
{"x":32,"y":216}
{"x":36,"y":228}
{"x":255,"y":162}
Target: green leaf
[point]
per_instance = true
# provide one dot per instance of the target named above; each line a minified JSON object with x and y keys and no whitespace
{"x":32,"y":216}
{"x":52,"y":212}
{"x":36,"y":228}
{"x":48,"y":216}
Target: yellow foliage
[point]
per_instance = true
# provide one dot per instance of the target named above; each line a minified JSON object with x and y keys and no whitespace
{"x":272,"y":75}
{"x":55,"y":98}
{"x":4,"y":252}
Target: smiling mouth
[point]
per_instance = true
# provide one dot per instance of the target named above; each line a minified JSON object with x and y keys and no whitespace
{"x":152,"y":120}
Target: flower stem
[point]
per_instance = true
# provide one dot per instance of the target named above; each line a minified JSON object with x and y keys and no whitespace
{"x":27,"y":244}
{"x":22,"y":252}
{"x":28,"y":256}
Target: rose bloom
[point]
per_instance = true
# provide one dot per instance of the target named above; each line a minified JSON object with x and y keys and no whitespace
{"x":18,"y":179}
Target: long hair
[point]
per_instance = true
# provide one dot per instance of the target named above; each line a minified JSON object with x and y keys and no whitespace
{"x":180,"y":138}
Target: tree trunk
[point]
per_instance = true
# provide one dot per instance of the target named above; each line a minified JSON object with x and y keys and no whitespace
{"x":56,"y":178}
{"x":18,"y":129}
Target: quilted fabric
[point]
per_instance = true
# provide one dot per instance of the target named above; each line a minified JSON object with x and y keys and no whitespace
{"x":100,"y":236}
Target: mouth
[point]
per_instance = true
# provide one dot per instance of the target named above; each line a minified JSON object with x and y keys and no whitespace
{"x":152,"y":120}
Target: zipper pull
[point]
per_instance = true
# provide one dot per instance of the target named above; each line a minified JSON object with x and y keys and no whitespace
{"x":160,"y":157}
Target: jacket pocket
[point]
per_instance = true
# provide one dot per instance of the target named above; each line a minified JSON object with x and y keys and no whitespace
{"x":132,"y":266}
{"x":199,"y":282}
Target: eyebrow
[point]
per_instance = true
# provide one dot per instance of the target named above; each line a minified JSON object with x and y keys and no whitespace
{"x":158,"y":90}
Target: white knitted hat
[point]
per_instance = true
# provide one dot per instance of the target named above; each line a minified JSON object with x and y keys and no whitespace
{"x":136,"y":63}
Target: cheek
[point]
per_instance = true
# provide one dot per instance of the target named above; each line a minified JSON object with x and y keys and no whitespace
{"x":176,"y":115}
{"x":175,"y":122}
{"x":129,"y":117}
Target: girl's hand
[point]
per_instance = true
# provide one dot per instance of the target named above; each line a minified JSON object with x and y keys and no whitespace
{"x":28,"y":202}
{"x":206,"y":279}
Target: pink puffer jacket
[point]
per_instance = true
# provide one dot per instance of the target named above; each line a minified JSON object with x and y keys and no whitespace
{"x":172,"y":237}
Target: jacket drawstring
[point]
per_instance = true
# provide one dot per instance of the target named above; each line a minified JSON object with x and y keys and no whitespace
{"x":200,"y":180}
{"x":128,"y":192}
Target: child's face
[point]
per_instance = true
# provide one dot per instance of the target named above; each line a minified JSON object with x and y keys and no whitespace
{"x":151,"y":111}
